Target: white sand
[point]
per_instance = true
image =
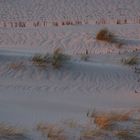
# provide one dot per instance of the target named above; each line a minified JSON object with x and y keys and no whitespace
{"x":73,"y":39}
{"x":31,"y":95}
{"x":68,"y":9}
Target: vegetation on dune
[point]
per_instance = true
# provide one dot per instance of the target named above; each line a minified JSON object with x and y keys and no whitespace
{"x":99,"y":126}
{"x":109,"y":37}
{"x":57,"y":59}
{"x":11,"y":133}
{"x":16,"y":66}
{"x":105,"y":35}
{"x":41,"y":60}
{"x":126,"y":135}
{"x":132,"y":60}
{"x":51,"y":131}
{"x":108,"y":120}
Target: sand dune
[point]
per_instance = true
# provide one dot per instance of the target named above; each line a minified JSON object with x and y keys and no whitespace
{"x":65,"y":93}
{"x":68,"y":9}
{"x":30,"y":94}
{"x":74,"y":40}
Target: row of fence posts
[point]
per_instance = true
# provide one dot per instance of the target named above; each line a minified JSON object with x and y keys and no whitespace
{"x":23,"y":24}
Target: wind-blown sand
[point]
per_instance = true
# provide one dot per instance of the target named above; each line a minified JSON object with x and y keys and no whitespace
{"x":73,"y":39}
{"x":29,"y":94}
{"x":68,"y":9}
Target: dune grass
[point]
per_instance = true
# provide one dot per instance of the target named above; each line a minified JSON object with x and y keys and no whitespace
{"x":105,"y":35}
{"x":132,"y":60}
{"x":41,"y":60}
{"x":107,"y":121}
{"x":126,"y":135}
{"x":51,"y":131}
{"x":12,"y":133}
{"x":56,"y":59}
{"x":16,"y":66}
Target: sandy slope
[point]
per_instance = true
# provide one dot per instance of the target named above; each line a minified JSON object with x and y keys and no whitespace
{"x":30,"y":95}
{"x":73,"y":39}
{"x":68,"y":9}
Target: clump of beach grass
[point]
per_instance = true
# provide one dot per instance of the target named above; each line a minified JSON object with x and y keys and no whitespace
{"x":132,"y":60}
{"x":105,"y":35}
{"x":51,"y":131}
{"x":41,"y":60}
{"x":107,"y":120}
{"x":126,"y":135}
{"x":58,"y":58}
{"x":16,"y":66}
{"x":12,"y":133}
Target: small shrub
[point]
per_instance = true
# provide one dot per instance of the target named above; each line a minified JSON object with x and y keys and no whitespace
{"x":41,"y":60}
{"x":131,"y":60}
{"x":126,"y":135}
{"x":104,"y":122}
{"x":120,"y":117}
{"x":108,"y":121}
{"x":105,"y":35}
{"x":16,"y":66}
{"x":11,"y":133}
{"x":58,"y":58}
{"x":51,"y":131}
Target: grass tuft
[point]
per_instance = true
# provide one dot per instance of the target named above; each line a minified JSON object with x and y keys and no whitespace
{"x":11,"y":133}
{"x":133,"y":60}
{"x":16,"y":66}
{"x":51,"y":131}
{"x":126,"y":135}
{"x":90,"y":134}
{"x":108,"y":120}
{"x":41,"y":60}
{"x":58,"y":58}
{"x":105,"y":35}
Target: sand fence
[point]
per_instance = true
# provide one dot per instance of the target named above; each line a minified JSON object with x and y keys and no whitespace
{"x":45,"y":23}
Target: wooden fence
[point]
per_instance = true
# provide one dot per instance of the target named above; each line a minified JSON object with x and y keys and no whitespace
{"x":37,"y":23}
